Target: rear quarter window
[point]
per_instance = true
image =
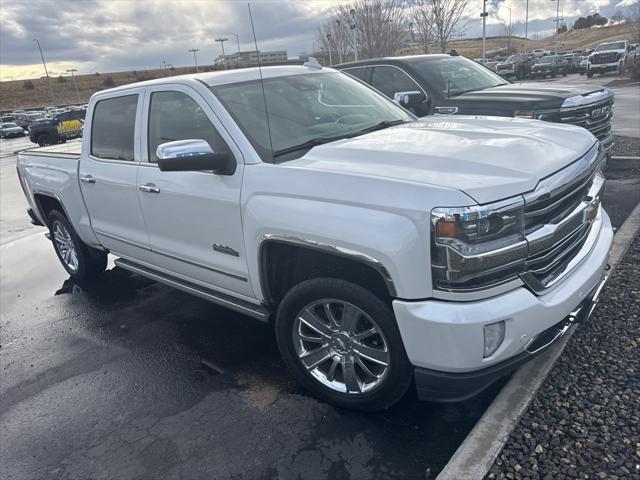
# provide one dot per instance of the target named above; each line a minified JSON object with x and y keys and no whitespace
{"x":113,"y":128}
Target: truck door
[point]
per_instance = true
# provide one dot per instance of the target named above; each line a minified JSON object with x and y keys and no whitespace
{"x":195,"y":229}
{"x":108,"y":171}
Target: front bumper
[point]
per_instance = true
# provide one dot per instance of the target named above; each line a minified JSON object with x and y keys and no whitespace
{"x":603,"y":67}
{"x":445,"y":340}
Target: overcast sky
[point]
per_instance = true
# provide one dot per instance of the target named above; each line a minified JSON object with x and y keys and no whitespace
{"x":113,"y":35}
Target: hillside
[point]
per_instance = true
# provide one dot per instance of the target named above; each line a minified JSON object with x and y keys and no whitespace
{"x":13,"y":94}
{"x":568,"y":41}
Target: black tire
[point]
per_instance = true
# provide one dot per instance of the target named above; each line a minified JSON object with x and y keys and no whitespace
{"x":44,"y":139}
{"x":400,"y":372}
{"x":589,"y":74}
{"x":90,"y":262}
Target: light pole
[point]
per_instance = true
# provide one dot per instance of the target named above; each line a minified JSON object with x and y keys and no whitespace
{"x":526,"y":21}
{"x":237,"y":40}
{"x":355,"y":34}
{"x":72,"y":71}
{"x":222,"y":40}
{"x":195,"y":59}
{"x":484,"y":15}
{"x":329,"y":40}
{"x":509,"y":31}
{"x":339,"y":33}
{"x":46,"y":73}
{"x":557,"y":15}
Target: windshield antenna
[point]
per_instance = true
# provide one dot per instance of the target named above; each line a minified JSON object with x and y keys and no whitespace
{"x":264,"y":96}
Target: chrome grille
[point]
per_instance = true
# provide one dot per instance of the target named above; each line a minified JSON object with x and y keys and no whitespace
{"x":558,"y":219}
{"x":599,"y":58}
{"x":595,"y":117}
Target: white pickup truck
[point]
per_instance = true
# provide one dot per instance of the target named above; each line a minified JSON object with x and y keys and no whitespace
{"x":384,"y":249}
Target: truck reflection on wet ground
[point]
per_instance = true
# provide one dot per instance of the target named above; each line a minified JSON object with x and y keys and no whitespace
{"x":211,"y":383}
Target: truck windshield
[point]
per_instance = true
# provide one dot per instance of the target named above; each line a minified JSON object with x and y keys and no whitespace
{"x":610,"y":46}
{"x":453,"y":76}
{"x":305,"y":111}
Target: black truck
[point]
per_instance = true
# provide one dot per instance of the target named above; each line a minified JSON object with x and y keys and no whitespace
{"x":444,"y":84}
{"x":58,"y":129}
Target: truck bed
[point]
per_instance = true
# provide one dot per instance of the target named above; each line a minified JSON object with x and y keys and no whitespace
{"x":69,"y":150}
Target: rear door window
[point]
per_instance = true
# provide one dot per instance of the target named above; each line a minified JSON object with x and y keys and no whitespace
{"x":358,"y":72}
{"x":113,"y":128}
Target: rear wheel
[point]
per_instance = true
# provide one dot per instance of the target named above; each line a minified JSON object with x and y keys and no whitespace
{"x":79,"y":260}
{"x":342,"y":343}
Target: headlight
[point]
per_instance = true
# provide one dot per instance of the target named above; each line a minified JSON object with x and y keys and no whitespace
{"x":476,"y":247}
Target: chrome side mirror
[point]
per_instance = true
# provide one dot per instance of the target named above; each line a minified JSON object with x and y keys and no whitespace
{"x":409,"y":99}
{"x":193,"y":155}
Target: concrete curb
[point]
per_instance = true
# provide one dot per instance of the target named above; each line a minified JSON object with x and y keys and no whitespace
{"x":475,"y":456}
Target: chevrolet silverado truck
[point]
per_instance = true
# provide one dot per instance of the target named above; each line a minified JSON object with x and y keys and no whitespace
{"x":443,"y":84}
{"x":608,"y":57}
{"x":384,"y":249}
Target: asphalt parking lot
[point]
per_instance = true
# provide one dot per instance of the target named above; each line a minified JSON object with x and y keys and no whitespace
{"x":123,"y":377}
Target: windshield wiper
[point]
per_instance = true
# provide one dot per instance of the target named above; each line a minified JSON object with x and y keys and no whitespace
{"x":307,"y":145}
{"x":321,"y":140}
{"x":379,"y":126}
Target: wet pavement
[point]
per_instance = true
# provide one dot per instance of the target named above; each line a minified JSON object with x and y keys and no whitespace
{"x":125,"y":378}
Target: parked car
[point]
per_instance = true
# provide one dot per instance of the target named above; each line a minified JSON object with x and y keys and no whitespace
{"x":573,"y":62}
{"x":7,"y":119}
{"x":441,"y":84}
{"x":59,"y":129}
{"x":582,"y":66}
{"x":549,"y":66}
{"x":608,"y":57}
{"x":9,"y":130}
{"x":448,"y":250}
{"x":516,"y":66}
{"x":25,"y":120}
{"x":541,"y":52}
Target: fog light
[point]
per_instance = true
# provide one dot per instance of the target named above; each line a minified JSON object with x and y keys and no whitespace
{"x":493,"y":338}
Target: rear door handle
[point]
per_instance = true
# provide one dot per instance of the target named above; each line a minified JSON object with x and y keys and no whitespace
{"x":149,"y":188}
{"x":87,"y":179}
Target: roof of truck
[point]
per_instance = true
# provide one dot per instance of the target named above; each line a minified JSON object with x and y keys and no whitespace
{"x":222,"y":77}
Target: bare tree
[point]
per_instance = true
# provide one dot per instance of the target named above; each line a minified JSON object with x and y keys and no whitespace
{"x":448,"y":18}
{"x":421,"y":15}
{"x":379,"y":29}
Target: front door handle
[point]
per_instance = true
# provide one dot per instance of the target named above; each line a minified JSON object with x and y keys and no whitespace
{"x":149,"y":188}
{"x":88,"y":179}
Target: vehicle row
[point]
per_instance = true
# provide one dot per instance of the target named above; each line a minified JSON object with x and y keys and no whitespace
{"x":606,"y":57}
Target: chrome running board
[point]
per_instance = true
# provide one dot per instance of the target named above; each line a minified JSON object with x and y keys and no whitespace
{"x":258,"y":312}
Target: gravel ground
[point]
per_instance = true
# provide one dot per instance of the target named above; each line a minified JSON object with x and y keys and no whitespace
{"x":584,"y":422}
{"x":626,"y":146}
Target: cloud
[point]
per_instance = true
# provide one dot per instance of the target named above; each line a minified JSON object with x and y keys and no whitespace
{"x":111,"y":35}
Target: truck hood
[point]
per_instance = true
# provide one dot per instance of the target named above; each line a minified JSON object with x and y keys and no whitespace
{"x":488,"y":158}
{"x":531,"y":95}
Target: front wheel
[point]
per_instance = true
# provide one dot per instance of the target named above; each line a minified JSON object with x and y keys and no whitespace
{"x":79,"y":260}
{"x":342,"y":343}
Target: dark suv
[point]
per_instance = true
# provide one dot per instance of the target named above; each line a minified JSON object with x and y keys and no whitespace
{"x":517,"y":66}
{"x":551,"y":65}
{"x":59,"y":129}
{"x":443,"y":84}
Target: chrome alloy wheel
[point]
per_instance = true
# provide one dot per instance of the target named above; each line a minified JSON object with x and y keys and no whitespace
{"x":341,"y":346}
{"x":66,"y":247}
